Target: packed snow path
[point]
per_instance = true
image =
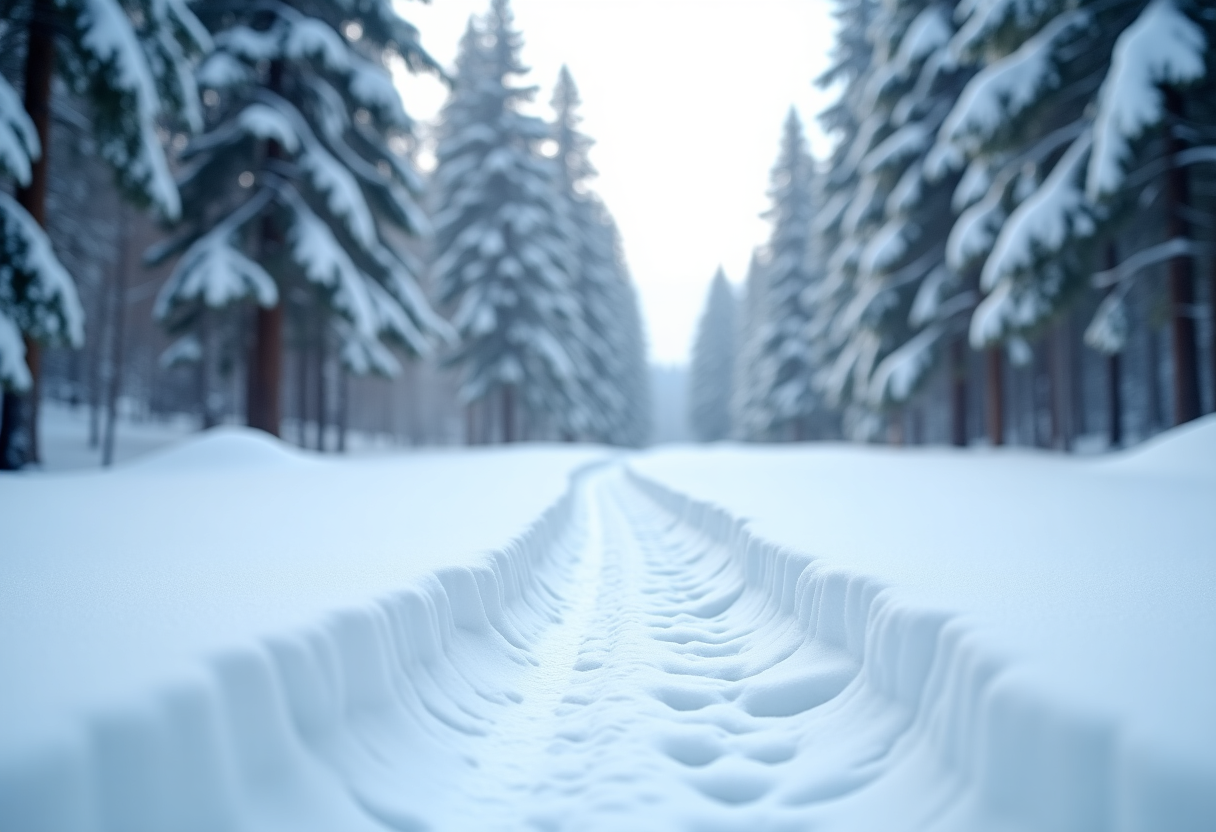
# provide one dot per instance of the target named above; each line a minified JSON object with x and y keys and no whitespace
{"x":664,"y":698}
{"x":645,"y":684}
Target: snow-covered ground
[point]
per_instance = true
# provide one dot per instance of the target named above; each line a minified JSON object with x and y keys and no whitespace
{"x":1054,"y":619}
{"x":232,"y":635}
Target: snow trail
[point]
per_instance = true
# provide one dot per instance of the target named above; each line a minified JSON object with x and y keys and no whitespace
{"x":665,"y":694}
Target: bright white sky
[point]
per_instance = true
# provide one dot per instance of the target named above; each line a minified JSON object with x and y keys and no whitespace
{"x":685,"y":99}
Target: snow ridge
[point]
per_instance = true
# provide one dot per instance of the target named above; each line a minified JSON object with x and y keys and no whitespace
{"x":940,"y":728}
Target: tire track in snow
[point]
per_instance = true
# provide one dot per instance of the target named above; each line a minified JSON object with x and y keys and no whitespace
{"x":663,"y":700}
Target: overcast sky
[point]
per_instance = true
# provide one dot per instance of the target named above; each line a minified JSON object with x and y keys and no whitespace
{"x":685,"y":99}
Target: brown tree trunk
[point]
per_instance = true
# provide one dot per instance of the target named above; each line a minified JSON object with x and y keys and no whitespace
{"x":319,"y":381}
{"x":1058,"y":364}
{"x":994,"y":404}
{"x":508,"y":414}
{"x":114,"y":388}
{"x":1114,"y":398}
{"x":1114,"y":373}
{"x":264,"y":403}
{"x":39,"y":68}
{"x":343,"y":407}
{"x":1181,"y":277}
{"x":958,"y":393}
{"x":266,"y":370}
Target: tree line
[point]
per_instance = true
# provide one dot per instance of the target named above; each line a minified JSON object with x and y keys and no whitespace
{"x":1007,"y":244}
{"x":300,"y":246}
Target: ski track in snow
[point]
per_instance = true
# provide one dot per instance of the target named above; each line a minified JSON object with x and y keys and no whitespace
{"x":644,"y":687}
{"x":637,"y":661}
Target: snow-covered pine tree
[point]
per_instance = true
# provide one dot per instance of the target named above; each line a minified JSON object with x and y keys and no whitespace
{"x":784,"y":363}
{"x":295,"y":191}
{"x":1068,"y":94}
{"x":906,"y":299}
{"x":843,"y":203}
{"x":747,"y":400}
{"x":631,"y":367}
{"x":131,"y":63}
{"x":601,"y":343}
{"x":711,"y":374}
{"x":504,"y":259}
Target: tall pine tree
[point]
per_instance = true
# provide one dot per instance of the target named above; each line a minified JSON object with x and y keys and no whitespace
{"x":713,"y":356}
{"x":504,"y":259}
{"x":785,"y":360}
{"x":131,"y":63}
{"x":602,"y":338}
{"x":295,"y":189}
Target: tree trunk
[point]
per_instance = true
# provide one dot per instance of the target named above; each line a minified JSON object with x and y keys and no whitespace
{"x":265,"y":370}
{"x":319,"y":381}
{"x":1181,"y":276}
{"x":958,"y":393}
{"x":1114,"y":373}
{"x":264,"y":404}
{"x":39,"y":68}
{"x":343,"y":407}
{"x":470,"y":424}
{"x":1058,"y":364}
{"x":302,"y":354}
{"x":508,"y":414}
{"x":994,"y":403}
{"x":1156,"y":415}
{"x":114,"y":388}
{"x":1114,"y":398}
{"x":1212,"y":326}
{"x":210,"y":419}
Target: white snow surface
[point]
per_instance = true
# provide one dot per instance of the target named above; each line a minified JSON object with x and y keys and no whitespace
{"x":118,"y":587}
{"x":1080,"y":601}
{"x":233,"y":635}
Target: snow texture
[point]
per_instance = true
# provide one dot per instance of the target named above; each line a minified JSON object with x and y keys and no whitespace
{"x":18,"y":138}
{"x":1002,"y":90}
{"x":1163,"y":46}
{"x":1056,"y":672}
{"x":349,"y":650}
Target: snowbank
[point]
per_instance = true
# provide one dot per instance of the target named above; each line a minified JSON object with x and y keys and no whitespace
{"x":140,"y":610}
{"x":1049,"y":623}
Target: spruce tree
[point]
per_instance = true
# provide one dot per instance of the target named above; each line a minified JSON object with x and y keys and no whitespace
{"x":602,"y":338}
{"x":784,"y":363}
{"x":131,"y":64}
{"x":504,"y":259}
{"x":1068,"y":97}
{"x":748,"y":416}
{"x":713,"y":364}
{"x":295,"y":191}
{"x":906,"y":300}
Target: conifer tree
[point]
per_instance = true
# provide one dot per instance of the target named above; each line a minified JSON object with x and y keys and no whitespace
{"x":1068,"y":98}
{"x":784,"y":363}
{"x":131,"y":63}
{"x":504,"y":259}
{"x":713,"y":357}
{"x":905,"y":299}
{"x":296,"y":187}
{"x":601,"y":340}
{"x":747,"y":412}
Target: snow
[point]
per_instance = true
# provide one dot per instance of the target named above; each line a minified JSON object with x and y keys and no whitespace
{"x":18,"y":138}
{"x":1068,"y":607}
{"x":233,"y":634}
{"x":13,"y":371}
{"x":58,"y":314}
{"x":110,"y":40}
{"x":1001,"y":90}
{"x":176,"y":567}
{"x":1163,"y":46}
{"x":213,"y":271}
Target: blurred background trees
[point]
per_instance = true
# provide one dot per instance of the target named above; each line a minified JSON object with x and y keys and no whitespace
{"x":217,"y":212}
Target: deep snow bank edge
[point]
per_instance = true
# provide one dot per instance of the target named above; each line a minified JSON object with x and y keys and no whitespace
{"x":1022,"y":755}
{"x":227,"y":746}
